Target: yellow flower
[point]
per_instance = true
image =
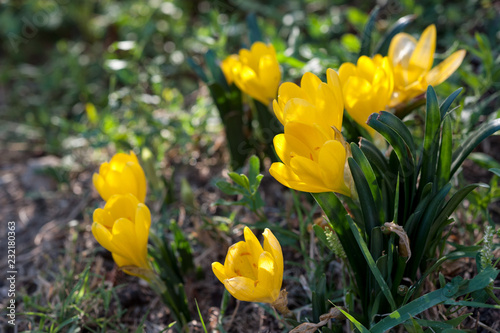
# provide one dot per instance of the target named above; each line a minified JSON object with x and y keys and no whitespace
{"x":251,"y":273}
{"x":122,"y":175}
{"x":227,"y":66}
{"x":313,"y":159}
{"x":412,"y":62}
{"x":313,"y":102}
{"x":256,"y":71}
{"x":122,"y":228}
{"x":367,"y":87}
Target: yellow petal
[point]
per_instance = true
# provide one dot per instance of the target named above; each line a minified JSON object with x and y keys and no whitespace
{"x":272,"y":246}
{"x":444,"y":70}
{"x":346,"y":70}
{"x":124,"y":239}
{"x":366,"y":68}
{"x":307,"y":170}
{"x":282,"y":173}
{"x":267,"y":275}
{"x":240,"y":261}
{"x":100,"y":186}
{"x":423,"y":55}
{"x":219,"y":271}
{"x":401,"y":49}
{"x":247,"y":290}
{"x":310,"y":83}
{"x":253,"y":246}
{"x":332,"y":159}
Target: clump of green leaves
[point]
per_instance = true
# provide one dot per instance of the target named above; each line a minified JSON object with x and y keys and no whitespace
{"x":244,"y":186}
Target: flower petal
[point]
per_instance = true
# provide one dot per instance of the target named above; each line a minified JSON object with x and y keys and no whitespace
{"x":444,"y":70}
{"x":423,"y":55}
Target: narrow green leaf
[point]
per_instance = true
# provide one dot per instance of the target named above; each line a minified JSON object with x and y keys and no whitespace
{"x":447,"y":102}
{"x":383,"y":46}
{"x":376,"y":159}
{"x":371,"y":263}
{"x":421,"y":240}
{"x":366,"y":40}
{"x":370,"y":211}
{"x":410,"y":310}
{"x":495,"y":171}
{"x":253,"y":28}
{"x":485,"y":161}
{"x":444,"y":162}
{"x":215,"y":69}
{"x":431,"y":138}
{"x":399,"y":127}
{"x":451,"y":205}
{"x":353,"y":320}
{"x":198,"y":70}
{"x":471,"y":142}
{"x":336,"y":215}
{"x":367,"y":170}
{"x":396,"y":141}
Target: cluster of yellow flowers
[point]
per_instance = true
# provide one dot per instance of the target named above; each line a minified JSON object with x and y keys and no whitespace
{"x":312,"y":151}
{"x":122,"y":227}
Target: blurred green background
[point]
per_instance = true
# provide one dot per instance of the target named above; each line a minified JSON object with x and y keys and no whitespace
{"x":98,"y":72}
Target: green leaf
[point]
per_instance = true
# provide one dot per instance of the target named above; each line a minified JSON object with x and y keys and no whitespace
{"x":215,"y":69}
{"x":484,"y":161}
{"x":447,"y":102}
{"x":253,"y":172}
{"x":431,"y":138}
{"x":353,"y":320}
{"x":370,"y":211}
{"x":371,"y":179}
{"x":366,"y":40}
{"x":445,"y":152}
{"x":452,"y":204}
{"x":240,"y":179}
{"x":383,"y":46}
{"x":420,"y":241}
{"x":228,"y":188}
{"x":198,"y":70}
{"x":336,"y":215}
{"x":371,"y":263}
{"x":471,"y":142}
{"x":495,"y":171}
{"x":399,"y":127}
{"x":410,"y":310}
{"x":253,"y":28}
{"x":376,"y":159}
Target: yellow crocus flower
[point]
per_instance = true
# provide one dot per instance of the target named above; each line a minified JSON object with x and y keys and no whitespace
{"x":367,"y":87}
{"x":122,"y":228}
{"x":227,"y":66}
{"x":313,"y":102}
{"x":412,"y":62}
{"x":251,"y":273}
{"x":122,"y":175}
{"x":313,"y":159}
{"x":256,"y":72}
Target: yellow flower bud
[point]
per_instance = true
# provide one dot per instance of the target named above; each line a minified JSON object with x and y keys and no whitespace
{"x":412,"y":62}
{"x":122,"y":228}
{"x":313,"y":102}
{"x":256,"y":72}
{"x":313,"y":159}
{"x":367,"y":87}
{"x":251,"y":273}
{"x":122,"y":175}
